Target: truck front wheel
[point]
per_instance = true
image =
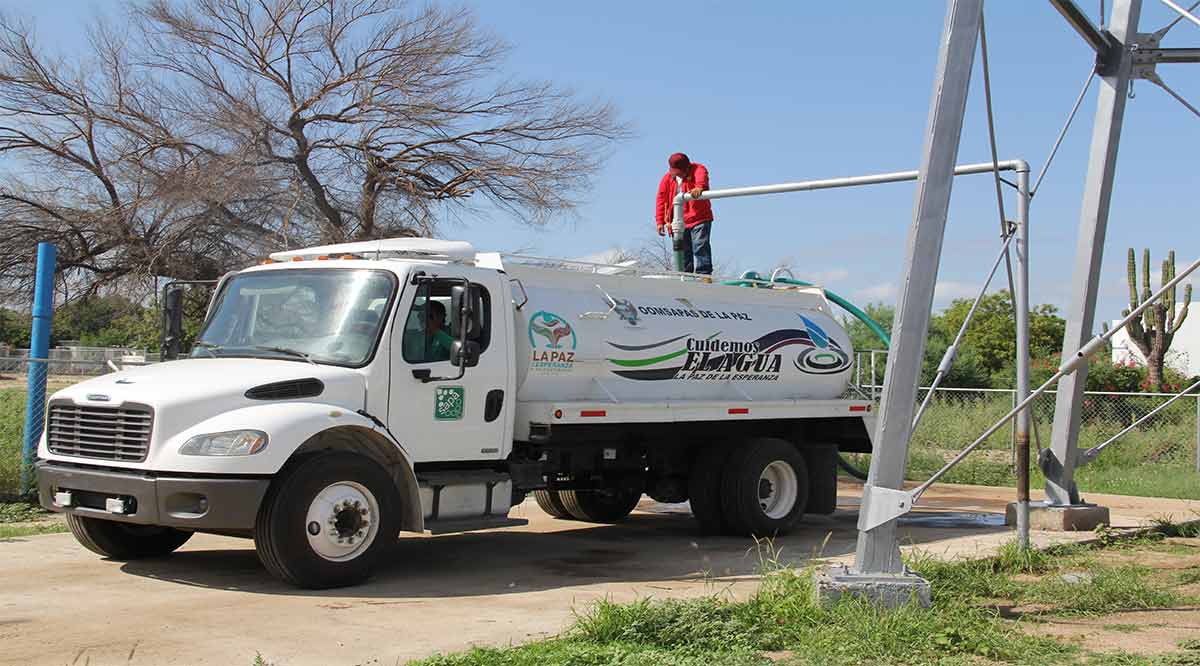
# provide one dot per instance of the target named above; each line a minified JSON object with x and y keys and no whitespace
{"x":600,"y":506}
{"x":765,"y":488}
{"x":123,"y":541}
{"x":327,"y":521}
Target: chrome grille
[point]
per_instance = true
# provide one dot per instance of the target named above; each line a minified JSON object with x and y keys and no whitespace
{"x":109,"y":433}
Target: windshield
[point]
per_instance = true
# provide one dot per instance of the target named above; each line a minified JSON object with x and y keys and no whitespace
{"x":314,"y":315}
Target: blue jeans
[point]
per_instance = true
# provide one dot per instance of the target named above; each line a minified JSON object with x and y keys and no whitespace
{"x":697,"y":253}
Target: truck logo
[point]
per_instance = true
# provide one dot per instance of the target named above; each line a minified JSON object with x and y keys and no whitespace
{"x":823,"y":356}
{"x":448,"y":403}
{"x":551,"y":327}
{"x":548,"y":339}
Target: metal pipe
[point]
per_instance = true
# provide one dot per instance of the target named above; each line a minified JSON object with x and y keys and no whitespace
{"x":39,"y":352}
{"x":1162,"y":32}
{"x":851,"y":181}
{"x":1182,"y":12}
{"x":677,"y":225}
{"x":1024,"y":420}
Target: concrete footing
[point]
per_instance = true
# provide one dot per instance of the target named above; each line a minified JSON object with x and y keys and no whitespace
{"x":886,"y":590}
{"x":1072,"y":518}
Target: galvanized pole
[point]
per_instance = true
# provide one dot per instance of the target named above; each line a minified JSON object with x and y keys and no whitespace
{"x":39,"y":351}
{"x":874,"y":375}
{"x":1089,"y":253}
{"x":677,"y":226}
{"x":877,"y":551}
{"x":1021,"y":300}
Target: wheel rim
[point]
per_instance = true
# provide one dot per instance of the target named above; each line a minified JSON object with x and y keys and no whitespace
{"x":778,"y":489}
{"x":342,"y":521}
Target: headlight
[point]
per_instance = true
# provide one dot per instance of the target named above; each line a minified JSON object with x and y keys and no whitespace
{"x":233,"y":443}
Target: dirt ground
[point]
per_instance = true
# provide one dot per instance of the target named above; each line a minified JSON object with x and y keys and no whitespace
{"x":212,"y":602}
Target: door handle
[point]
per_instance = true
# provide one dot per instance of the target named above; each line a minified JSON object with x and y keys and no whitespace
{"x":493,"y":405}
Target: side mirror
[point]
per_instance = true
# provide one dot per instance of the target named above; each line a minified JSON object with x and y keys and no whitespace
{"x":171,"y":340}
{"x":464,"y":355}
{"x":463,"y":312}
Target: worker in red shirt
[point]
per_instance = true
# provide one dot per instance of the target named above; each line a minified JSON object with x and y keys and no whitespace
{"x":697,"y":215}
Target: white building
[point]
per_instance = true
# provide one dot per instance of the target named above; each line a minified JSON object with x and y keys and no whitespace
{"x":1184,"y":355}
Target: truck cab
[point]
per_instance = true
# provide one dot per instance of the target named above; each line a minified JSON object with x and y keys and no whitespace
{"x":338,"y":396}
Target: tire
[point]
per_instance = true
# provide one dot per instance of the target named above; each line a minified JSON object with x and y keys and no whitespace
{"x":352,"y":504}
{"x":551,"y":503}
{"x":704,"y":487}
{"x":758,"y":467}
{"x":822,"y":461}
{"x":125,"y":541}
{"x":600,"y":506}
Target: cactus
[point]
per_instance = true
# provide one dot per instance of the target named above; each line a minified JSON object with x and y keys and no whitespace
{"x":1156,"y":328}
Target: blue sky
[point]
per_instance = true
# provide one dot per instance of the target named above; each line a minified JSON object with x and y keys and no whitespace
{"x":780,"y":91}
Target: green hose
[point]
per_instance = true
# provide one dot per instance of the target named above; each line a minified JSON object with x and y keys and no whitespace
{"x":753,"y":279}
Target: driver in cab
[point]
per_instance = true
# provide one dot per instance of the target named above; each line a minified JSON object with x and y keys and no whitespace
{"x":437,"y":339}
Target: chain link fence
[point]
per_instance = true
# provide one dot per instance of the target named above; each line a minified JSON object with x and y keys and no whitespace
{"x":1159,"y":457}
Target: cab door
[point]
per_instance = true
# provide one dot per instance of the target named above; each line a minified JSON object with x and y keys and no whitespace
{"x":437,"y":414}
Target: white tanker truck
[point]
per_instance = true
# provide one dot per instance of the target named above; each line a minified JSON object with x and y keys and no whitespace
{"x":330,"y":404}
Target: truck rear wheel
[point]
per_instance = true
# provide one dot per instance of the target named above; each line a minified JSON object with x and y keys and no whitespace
{"x":551,"y":503}
{"x":704,"y":487}
{"x":765,"y":488}
{"x":327,"y":521}
{"x":822,"y":478}
{"x":600,"y":506}
{"x":125,"y":541}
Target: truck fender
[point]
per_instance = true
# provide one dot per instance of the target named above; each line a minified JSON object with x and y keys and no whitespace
{"x":296,"y":429}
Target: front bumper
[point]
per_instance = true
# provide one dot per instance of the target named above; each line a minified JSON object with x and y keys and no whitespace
{"x":132,"y":497}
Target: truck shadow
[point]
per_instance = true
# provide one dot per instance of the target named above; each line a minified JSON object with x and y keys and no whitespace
{"x":658,"y":545}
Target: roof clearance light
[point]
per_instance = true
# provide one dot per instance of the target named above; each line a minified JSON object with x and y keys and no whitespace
{"x":323,"y":257}
{"x":347,"y":256}
{"x":266,"y":261}
{"x":297,"y":258}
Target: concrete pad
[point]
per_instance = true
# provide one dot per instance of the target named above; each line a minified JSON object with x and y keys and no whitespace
{"x":887,"y":591}
{"x":1075,"y":518}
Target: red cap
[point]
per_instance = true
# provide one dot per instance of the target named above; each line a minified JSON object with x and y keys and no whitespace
{"x":679,"y":164}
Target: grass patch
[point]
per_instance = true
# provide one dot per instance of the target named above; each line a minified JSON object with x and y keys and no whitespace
{"x":1122,"y":628}
{"x":12,"y":531}
{"x":964,"y":625}
{"x":1101,"y":590}
{"x":20,"y":512}
{"x":780,"y":617}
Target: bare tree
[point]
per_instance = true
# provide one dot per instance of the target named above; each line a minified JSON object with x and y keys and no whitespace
{"x":207,"y":132}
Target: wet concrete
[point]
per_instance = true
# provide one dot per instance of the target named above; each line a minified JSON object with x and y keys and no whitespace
{"x":212,"y":602}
